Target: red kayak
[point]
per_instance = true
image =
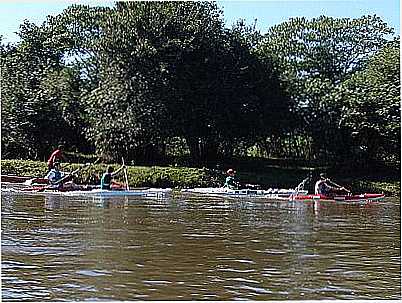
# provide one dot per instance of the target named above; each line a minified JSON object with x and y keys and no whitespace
{"x":21,"y":179}
{"x":346,"y":198}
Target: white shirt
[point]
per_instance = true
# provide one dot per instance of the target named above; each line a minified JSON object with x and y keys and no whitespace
{"x":317,"y":187}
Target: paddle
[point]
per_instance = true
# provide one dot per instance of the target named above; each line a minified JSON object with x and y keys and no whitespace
{"x":30,"y":181}
{"x":37,"y":179}
{"x":337,"y":185}
{"x":125,"y":174}
{"x":251,"y":186}
{"x":68,"y":175}
{"x":300,"y":186}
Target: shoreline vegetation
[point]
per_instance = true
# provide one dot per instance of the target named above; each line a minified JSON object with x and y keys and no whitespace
{"x":170,"y":84}
{"x":176,"y":177}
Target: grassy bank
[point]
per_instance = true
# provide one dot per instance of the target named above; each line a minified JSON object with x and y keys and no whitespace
{"x":138,"y":176}
{"x":264,"y":174}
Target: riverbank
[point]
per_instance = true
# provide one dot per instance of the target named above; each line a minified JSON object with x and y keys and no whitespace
{"x":188,"y":177}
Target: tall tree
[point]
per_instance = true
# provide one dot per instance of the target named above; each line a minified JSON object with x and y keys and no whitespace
{"x":314,"y":57}
{"x":372,"y":105}
{"x":40,"y":96}
{"x":168,"y":69}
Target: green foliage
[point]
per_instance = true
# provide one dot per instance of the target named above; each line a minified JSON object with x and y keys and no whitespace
{"x":388,"y":187}
{"x":314,"y":58}
{"x":23,"y":168}
{"x":171,"y":69}
{"x":140,"y":77}
{"x":138,"y":176}
{"x":40,"y":97}
{"x":324,"y":47}
{"x":258,"y":171}
{"x":372,"y":107}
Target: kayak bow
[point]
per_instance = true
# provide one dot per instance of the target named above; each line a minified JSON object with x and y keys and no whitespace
{"x":345,"y":198}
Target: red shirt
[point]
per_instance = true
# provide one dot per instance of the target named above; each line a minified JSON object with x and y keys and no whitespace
{"x":57,"y":154}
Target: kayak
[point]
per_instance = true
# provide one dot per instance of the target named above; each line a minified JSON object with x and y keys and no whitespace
{"x":22,"y":184}
{"x":22,"y":180}
{"x":143,"y":192}
{"x":272,"y":193}
{"x":346,"y":198}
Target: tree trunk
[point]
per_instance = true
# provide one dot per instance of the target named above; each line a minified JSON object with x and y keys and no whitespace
{"x":202,"y":151}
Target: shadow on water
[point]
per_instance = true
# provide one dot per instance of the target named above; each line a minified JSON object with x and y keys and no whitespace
{"x":197,"y":248}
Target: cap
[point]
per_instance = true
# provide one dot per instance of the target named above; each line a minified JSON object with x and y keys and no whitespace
{"x":230,"y":171}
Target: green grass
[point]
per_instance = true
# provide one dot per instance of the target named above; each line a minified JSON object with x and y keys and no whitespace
{"x":138,"y":176}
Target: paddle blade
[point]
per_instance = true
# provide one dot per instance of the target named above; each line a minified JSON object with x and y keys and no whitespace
{"x":28,"y":182}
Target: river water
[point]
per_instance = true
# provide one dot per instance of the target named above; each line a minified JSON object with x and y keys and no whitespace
{"x":197,"y":248}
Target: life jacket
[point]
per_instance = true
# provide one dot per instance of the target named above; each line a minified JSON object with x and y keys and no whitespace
{"x":106,"y":181}
{"x":54,"y":175}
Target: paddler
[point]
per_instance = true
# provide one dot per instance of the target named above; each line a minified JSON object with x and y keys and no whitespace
{"x":54,"y":175}
{"x":323,"y":187}
{"x":231,"y":181}
{"x":107,"y":178}
{"x":56,"y":156}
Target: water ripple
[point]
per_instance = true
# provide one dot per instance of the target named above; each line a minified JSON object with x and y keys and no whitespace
{"x":75,"y":249}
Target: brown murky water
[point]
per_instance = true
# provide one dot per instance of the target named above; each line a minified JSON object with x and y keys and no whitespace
{"x":198,"y":248}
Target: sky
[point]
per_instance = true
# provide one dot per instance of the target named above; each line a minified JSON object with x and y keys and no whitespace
{"x":267,"y":12}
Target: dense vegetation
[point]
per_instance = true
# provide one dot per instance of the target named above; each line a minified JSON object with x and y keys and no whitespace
{"x":152,"y":81}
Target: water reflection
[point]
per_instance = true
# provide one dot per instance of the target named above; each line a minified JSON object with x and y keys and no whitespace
{"x":193,"y":248}
{"x":57,"y":202}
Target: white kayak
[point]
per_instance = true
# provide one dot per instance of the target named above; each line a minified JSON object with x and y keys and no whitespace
{"x":271,"y":193}
{"x":145,"y":192}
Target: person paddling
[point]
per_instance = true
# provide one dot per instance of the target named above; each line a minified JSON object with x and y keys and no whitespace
{"x":323,"y":187}
{"x":231,"y":181}
{"x":107,"y":178}
{"x":56,"y":156}
{"x":54,"y":175}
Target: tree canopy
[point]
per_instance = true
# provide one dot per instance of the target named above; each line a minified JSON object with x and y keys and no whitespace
{"x":134,"y":79}
{"x":315,"y":58}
